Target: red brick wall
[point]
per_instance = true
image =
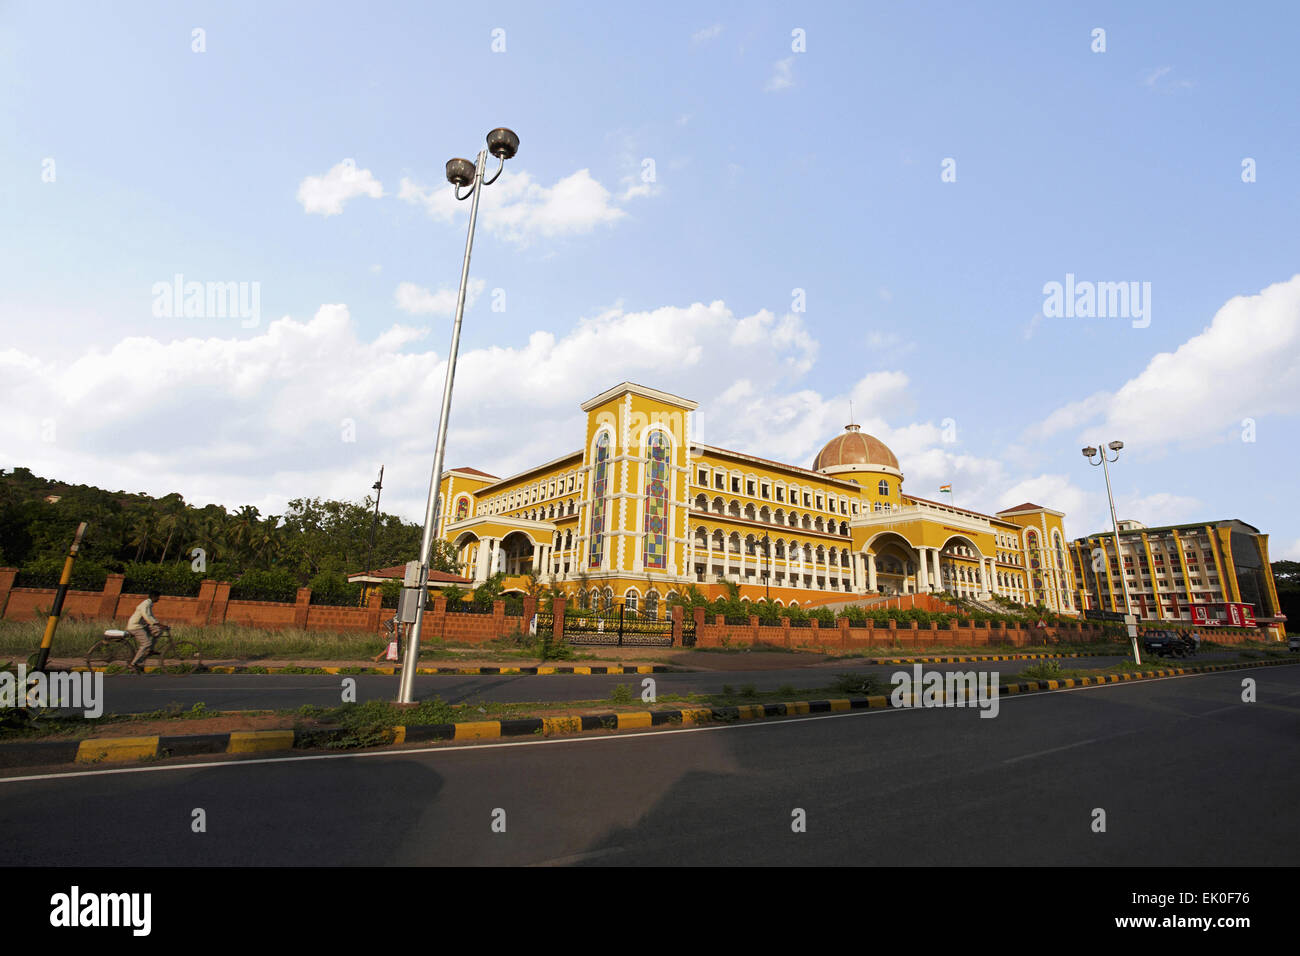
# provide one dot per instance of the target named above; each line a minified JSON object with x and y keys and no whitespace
{"x":909,"y":635}
{"x":213,"y":606}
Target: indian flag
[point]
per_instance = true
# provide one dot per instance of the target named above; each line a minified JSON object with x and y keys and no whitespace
{"x":947,"y":488}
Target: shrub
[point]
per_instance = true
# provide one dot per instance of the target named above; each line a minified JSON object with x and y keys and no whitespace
{"x":859,"y":685}
{"x":275,"y":585}
{"x":824,"y":616}
{"x":768,"y":614}
{"x":857,"y":616}
{"x":174,"y":579}
{"x":797,"y":615}
{"x":45,"y":573}
{"x":331,"y":588}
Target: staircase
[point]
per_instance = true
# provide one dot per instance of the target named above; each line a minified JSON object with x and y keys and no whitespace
{"x":922,"y":601}
{"x":975,"y":604}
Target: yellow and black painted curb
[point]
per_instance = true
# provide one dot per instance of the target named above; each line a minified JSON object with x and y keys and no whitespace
{"x":976,"y":657}
{"x":391,"y":670}
{"x":106,"y":750}
{"x":543,"y":669}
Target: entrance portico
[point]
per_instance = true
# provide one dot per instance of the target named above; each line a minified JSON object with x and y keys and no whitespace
{"x":513,"y":546}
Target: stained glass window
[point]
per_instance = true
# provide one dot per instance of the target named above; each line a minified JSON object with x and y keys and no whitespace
{"x":462,"y":509}
{"x":656,"y":503}
{"x":596,"y":550}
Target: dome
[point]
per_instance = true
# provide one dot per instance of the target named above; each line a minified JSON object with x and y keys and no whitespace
{"x":854,"y":448}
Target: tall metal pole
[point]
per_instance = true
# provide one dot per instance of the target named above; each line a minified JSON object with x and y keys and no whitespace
{"x":1119,"y":556}
{"x":378,"y":488}
{"x":767,"y":576}
{"x":56,"y":610}
{"x":432,"y":507}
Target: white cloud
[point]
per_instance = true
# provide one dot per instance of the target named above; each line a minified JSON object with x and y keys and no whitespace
{"x":1244,"y":364}
{"x":1152,"y":77}
{"x":1156,"y":509}
{"x":708,"y":33}
{"x":1160,"y":79}
{"x":887,"y":345}
{"x":519,"y":210}
{"x":326,"y":194}
{"x":260,"y":419}
{"x":782,"y":77}
{"x":418,"y":300}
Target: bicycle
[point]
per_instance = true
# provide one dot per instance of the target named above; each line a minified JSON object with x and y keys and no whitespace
{"x":118,"y":646}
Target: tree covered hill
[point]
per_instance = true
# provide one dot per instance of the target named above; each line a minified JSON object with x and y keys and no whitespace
{"x":167,"y":543}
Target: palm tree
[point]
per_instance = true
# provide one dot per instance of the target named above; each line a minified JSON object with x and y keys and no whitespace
{"x":141,"y":534}
{"x":268,"y":541}
{"x":241,"y":532}
{"x":211,"y":535}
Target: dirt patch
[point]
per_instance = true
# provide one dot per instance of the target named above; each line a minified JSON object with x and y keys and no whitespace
{"x":203,"y":725}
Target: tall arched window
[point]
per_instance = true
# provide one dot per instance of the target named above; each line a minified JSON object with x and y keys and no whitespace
{"x":600,"y":479}
{"x":462,"y":508}
{"x":655,"y":554}
{"x":883,"y":487}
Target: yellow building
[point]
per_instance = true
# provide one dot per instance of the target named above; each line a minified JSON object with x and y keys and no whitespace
{"x":642,"y":511}
{"x":1190,"y":573}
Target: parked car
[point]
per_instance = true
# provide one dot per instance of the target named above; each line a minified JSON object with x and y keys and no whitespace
{"x":1293,"y":642}
{"x":1168,"y":643}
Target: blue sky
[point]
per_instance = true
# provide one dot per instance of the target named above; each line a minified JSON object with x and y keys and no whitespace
{"x":303,"y":148}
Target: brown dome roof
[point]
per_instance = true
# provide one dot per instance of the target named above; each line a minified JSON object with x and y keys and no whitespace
{"x":854,"y":448}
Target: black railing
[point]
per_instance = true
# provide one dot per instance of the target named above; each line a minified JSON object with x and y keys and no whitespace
{"x":617,"y":625}
{"x":468,"y":607}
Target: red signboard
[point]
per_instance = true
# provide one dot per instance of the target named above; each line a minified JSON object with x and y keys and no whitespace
{"x":1224,"y":615}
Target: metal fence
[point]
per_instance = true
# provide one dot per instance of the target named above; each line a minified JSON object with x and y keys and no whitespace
{"x":617,"y":626}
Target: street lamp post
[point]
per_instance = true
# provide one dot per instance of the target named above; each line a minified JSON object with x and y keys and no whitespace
{"x":462,"y":174}
{"x":1100,"y":453}
{"x":767,"y":574}
{"x":378,"y":489}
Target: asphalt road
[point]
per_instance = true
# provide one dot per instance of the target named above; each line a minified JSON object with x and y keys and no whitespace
{"x":1186,"y":773}
{"x":132,"y":693}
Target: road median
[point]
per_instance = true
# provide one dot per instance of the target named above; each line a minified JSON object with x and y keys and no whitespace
{"x":135,"y":749}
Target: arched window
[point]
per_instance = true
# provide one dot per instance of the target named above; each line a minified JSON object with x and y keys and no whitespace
{"x":629,"y":599}
{"x":655,"y":554}
{"x":462,"y":508}
{"x":652,"y":604}
{"x":596,"y":552}
{"x":883,"y":487}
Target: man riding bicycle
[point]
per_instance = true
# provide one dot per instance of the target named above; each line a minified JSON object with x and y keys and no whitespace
{"x":144,"y":627}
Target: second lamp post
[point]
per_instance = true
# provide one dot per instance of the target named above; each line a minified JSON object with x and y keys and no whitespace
{"x":1100,"y":453}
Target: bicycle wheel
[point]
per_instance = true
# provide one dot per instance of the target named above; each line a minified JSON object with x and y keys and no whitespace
{"x":109,"y":650}
{"x":180,"y":652}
